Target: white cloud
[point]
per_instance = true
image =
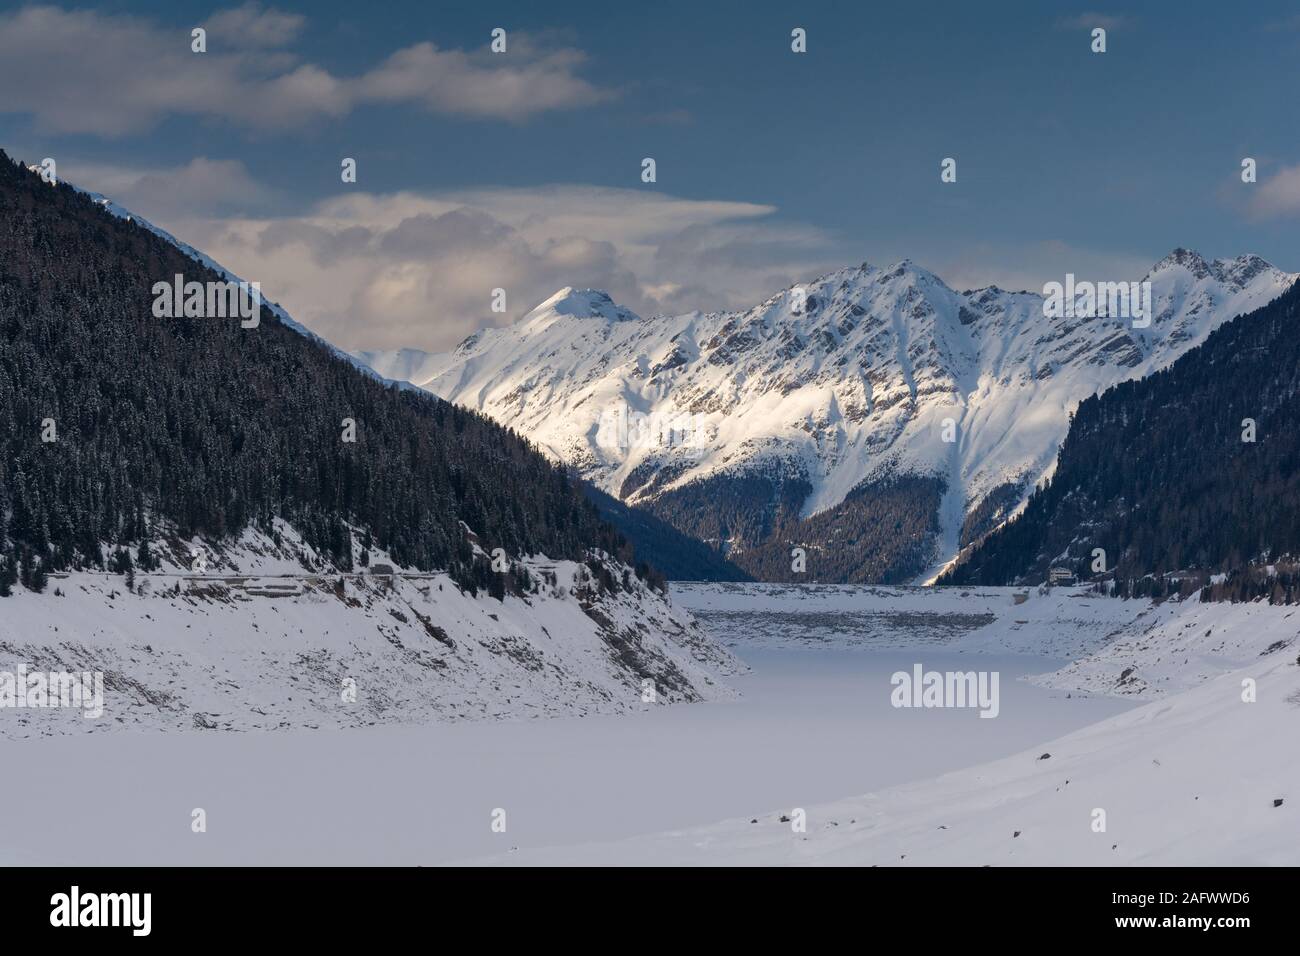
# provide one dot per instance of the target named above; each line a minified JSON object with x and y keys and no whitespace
{"x":110,"y":75}
{"x":1276,"y":197}
{"x":410,"y":269}
{"x":474,"y":84}
{"x":255,"y":25}
{"x":202,"y":187}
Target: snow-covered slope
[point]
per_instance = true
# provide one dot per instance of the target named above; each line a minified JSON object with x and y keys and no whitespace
{"x":1202,"y":775}
{"x":1195,"y":780}
{"x":855,"y":387}
{"x":259,"y":641}
{"x":1181,"y":644}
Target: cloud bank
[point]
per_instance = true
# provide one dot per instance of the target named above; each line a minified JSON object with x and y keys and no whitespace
{"x":115,"y":75}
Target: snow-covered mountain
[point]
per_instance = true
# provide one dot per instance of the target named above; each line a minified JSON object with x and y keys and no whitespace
{"x":873,"y":411}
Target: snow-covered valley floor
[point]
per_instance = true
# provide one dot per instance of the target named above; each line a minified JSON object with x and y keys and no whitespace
{"x":811,"y":726}
{"x":1191,"y":777}
{"x":1205,"y":772}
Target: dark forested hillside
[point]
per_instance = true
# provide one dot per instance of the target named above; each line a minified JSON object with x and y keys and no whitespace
{"x":882,"y":533}
{"x":210,"y":427}
{"x":1195,"y":467}
{"x":677,"y":556}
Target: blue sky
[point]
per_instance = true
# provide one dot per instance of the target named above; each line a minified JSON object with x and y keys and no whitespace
{"x":522,"y":170}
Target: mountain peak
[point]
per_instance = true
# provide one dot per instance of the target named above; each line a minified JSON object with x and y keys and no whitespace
{"x":1241,"y":270}
{"x":581,"y":304}
{"x":906,"y":267}
{"x":1236,"y":273}
{"x":1188,"y":259}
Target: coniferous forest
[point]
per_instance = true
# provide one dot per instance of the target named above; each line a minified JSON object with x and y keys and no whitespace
{"x":678,"y":556}
{"x":1195,"y":468}
{"x":210,"y":428}
{"x":882,"y":532}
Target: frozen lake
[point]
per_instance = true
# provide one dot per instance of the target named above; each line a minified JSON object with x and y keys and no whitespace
{"x":815,"y":724}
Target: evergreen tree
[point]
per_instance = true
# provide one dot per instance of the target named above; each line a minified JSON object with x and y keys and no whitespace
{"x":39,"y":577}
{"x":8,"y":573}
{"x":145,"y":558}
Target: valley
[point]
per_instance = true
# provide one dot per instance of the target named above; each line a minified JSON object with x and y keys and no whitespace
{"x":802,"y":724}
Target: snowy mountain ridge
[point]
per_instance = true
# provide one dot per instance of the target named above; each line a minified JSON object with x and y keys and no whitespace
{"x":839,"y":384}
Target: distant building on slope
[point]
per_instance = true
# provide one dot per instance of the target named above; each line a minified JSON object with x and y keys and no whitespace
{"x":1060,"y":576}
